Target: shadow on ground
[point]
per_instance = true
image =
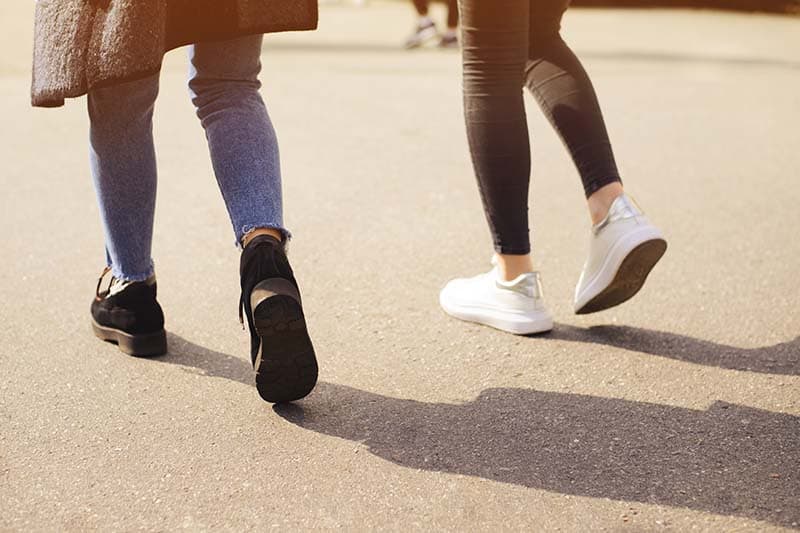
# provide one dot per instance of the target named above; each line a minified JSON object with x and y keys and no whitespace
{"x":660,"y":57}
{"x":729,"y":460}
{"x":617,"y":55}
{"x":765,"y":6}
{"x":782,"y":358}
{"x":197,"y":359}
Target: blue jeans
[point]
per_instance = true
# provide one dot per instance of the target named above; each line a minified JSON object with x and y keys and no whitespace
{"x":224,"y":85}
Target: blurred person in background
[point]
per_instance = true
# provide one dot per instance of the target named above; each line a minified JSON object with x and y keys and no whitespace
{"x":508,"y":45}
{"x":426,"y":29}
{"x":112,"y":51}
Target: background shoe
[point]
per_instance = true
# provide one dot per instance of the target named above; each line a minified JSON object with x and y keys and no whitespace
{"x":280,"y":347}
{"x":448,"y":40}
{"x":515,"y":306}
{"x":424,"y":32}
{"x":128,"y":315}
{"x":624,"y":248}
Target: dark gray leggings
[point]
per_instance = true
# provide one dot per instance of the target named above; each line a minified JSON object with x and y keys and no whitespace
{"x":508,"y":44}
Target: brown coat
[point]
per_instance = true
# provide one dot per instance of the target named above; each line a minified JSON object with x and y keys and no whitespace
{"x":80,"y":44}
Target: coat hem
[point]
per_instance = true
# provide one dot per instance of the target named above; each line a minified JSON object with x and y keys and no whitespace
{"x":54,"y":99}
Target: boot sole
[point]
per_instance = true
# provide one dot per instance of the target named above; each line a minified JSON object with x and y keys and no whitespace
{"x":141,"y":345}
{"x":286,"y":366}
{"x":630,"y":277}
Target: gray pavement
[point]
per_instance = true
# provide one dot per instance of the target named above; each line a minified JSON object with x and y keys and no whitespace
{"x":677,"y":411}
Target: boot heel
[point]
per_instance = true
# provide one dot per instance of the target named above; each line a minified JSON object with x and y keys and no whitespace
{"x":151,"y":345}
{"x":273,"y":287}
{"x":139,"y":345}
{"x":286,"y":366}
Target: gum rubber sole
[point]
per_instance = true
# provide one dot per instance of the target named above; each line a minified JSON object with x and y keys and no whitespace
{"x":143,"y":345}
{"x":286,"y":366}
{"x":630,"y":277}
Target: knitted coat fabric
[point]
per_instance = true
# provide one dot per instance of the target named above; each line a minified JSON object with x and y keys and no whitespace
{"x":81,"y":44}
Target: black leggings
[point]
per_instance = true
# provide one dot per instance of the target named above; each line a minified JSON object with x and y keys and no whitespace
{"x":508,"y":44}
{"x":452,"y":10}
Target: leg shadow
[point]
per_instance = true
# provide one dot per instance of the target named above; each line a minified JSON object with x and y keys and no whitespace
{"x":197,"y":359}
{"x":728,"y":460}
{"x":783,"y":358}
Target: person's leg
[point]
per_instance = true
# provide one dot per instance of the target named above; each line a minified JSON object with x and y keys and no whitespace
{"x":123,"y":165}
{"x":495,"y":51}
{"x":421,"y":6}
{"x":425,"y":28}
{"x":224,"y":87}
{"x":624,"y":245}
{"x":565,"y":94}
{"x":509,"y":297}
{"x":452,"y":14}
{"x":449,"y":38}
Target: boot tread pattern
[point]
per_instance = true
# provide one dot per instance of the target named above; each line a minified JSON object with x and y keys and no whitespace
{"x":286,"y":366}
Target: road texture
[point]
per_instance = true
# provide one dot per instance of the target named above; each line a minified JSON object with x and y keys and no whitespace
{"x":677,"y":411}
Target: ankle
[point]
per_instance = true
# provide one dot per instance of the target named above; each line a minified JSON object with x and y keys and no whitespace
{"x":600,"y":201}
{"x":272,"y":232}
{"x":510,"y":267}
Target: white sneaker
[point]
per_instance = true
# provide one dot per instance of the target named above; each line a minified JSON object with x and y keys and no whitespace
{"x":424,"y":32}
{"x":514,"y":306}
{"x":624,"y":247}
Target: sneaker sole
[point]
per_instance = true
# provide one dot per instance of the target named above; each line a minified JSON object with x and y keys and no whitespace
{"x":510,"y":323}
{"x":630,"y":277}
{"x":422,"y":38}
{"x":286,"y":366}
{"x":144,"y":345}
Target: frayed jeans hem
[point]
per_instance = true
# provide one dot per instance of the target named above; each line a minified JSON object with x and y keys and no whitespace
{"x":119,"y":274}
{"x":247,"y":229}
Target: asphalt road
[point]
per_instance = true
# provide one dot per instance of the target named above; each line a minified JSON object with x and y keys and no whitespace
{"x":678,"y":411}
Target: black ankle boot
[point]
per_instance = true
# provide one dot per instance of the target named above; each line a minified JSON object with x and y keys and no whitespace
{"x":130,"y":317}
{"x":280,"y":348}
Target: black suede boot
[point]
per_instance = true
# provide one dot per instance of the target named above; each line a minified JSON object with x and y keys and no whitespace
{"x":280,"y":348}
{"x":128,"y":315}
